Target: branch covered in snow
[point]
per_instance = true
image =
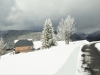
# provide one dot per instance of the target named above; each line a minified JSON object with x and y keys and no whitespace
{"x":2,"y":46}
{"x":66,"y":28}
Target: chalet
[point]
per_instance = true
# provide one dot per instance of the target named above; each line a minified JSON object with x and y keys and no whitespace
{"x":23,"y":45}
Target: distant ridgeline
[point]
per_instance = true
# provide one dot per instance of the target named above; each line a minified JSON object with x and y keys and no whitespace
{"x":10,"y":35}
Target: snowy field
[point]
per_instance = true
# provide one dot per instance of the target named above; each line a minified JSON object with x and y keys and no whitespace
{"x":58,"y":60}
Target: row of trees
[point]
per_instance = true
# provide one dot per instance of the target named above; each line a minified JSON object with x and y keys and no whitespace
{"x":64,"y":30}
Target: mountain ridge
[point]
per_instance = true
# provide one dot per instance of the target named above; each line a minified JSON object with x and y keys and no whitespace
{"x":10,"y":35}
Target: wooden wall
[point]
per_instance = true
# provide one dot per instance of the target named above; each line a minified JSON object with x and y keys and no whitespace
{"x":23,"y":49}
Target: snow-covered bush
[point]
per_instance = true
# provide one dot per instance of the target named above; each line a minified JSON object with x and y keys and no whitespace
{"x":2,"y":46}
{"x":47,"y":37}
{"x":66,"y":28}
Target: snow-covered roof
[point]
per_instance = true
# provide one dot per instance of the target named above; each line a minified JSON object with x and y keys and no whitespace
{"x":23,"y":39}
{"x":20,"y":43}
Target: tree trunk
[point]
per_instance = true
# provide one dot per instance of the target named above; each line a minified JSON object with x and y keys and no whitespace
{"x":67,"y":38}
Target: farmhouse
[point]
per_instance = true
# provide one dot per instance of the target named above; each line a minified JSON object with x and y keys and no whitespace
{"x":23,"y":45}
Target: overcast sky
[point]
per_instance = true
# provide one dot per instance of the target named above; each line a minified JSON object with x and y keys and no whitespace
{"x":31,"y":14}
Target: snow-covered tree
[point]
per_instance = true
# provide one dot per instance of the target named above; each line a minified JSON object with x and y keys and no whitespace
{"x":47,"y":37}
{"x":66,"y":28}
{"x":2,"y":46}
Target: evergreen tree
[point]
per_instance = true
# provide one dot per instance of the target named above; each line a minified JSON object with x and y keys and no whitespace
{"x":47,"y":38}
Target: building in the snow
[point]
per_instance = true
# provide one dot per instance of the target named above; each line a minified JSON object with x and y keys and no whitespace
{"x":23,"y":45}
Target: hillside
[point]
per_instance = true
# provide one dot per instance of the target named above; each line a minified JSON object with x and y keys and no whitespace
{"x":95,"y":36}
{"x":57,"y":60}
{"x":11,"y":35}
{"x":77,"y":58}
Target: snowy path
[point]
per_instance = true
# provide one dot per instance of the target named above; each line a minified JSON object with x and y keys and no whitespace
{"x":69,"y":68}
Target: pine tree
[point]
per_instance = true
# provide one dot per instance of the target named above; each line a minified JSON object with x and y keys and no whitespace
{"x":47,"y":38}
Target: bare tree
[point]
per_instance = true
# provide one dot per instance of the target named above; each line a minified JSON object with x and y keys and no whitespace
{"x":2,"y":46}
{"x":66,"y":28}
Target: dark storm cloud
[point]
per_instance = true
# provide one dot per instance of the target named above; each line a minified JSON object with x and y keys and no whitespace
{"x":5,"y":8}
{"x":31,"y":14}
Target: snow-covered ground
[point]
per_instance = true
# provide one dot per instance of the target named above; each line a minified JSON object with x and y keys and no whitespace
{"x":58,"y":60}
{"x":98,"y":46}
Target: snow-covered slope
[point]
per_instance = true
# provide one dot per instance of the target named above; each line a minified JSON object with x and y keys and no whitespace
{"x":58,"y":60}
{"x":98,"y":46}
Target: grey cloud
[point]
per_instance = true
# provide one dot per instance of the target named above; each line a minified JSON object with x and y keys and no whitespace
{"x":5,"y":11}
{"x":31,"y":14}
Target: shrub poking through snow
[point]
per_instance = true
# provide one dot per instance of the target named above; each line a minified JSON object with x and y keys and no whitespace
{"x":2,"y":46}
{"x":47,"y":37}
